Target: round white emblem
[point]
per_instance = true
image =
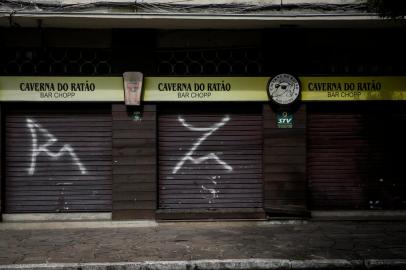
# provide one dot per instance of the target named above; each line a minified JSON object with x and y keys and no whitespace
{"x":284,"y":89}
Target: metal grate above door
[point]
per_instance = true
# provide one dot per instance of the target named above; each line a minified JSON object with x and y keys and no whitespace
{"x":55,"y":61}
{"x":214,"y":61}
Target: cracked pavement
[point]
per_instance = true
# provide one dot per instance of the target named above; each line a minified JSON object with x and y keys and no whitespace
{"x":206,"y":240}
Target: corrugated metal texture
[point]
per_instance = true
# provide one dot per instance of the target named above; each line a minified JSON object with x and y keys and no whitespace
{"x":58,"y":158}
{"x":340,"y":157}
{"x":1,"y":160}
{"x":354,"y":156}
{"x":210,"y":158}
{"x":389,"y":192}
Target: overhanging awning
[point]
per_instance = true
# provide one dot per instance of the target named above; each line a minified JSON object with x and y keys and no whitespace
{"x":190,"y":21}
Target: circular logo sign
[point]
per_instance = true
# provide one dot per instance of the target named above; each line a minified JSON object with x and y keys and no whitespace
{"x":284,"y":89}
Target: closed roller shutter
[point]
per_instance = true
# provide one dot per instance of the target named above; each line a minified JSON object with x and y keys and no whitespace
{"x":354,"y":156}
{"x":392,"y":188}
{"x":58,"y":159}
{"x":210,"y":158}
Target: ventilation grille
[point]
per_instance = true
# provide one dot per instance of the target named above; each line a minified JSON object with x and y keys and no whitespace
{"x":241,"y":61}
{"x":55,"y":61}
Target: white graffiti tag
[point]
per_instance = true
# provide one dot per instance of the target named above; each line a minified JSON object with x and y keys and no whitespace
{"x":208,"y":131}
{"x":212,"y":191}
{"x":37,"y":149}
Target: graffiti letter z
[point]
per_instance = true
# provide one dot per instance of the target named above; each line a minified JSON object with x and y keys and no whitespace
{"x":208,"y":131}
{"x":37,"y":149}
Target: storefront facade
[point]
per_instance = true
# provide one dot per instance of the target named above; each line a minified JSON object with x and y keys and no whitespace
{"x":207,"y":142}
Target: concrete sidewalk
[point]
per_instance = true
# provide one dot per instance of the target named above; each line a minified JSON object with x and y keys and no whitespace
{"x":204,"y":245}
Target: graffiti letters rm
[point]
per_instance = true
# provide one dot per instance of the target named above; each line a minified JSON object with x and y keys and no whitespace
{"x":37,"y":130}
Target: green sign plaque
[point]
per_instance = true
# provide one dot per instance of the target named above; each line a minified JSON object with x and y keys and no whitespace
{"x":284,"y":119}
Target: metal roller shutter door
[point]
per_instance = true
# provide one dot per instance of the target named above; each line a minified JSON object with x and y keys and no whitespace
{"x":210,"y":158}
{"x":355,"y":156}
{"x":392,"y":188}
{"x":58,"y":158}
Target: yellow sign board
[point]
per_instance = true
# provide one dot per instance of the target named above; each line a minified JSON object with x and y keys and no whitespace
{"x":205,"y":89}
{"x":198,"y":89}
{"x":353,"y":88}
{"x":61,"y":88}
